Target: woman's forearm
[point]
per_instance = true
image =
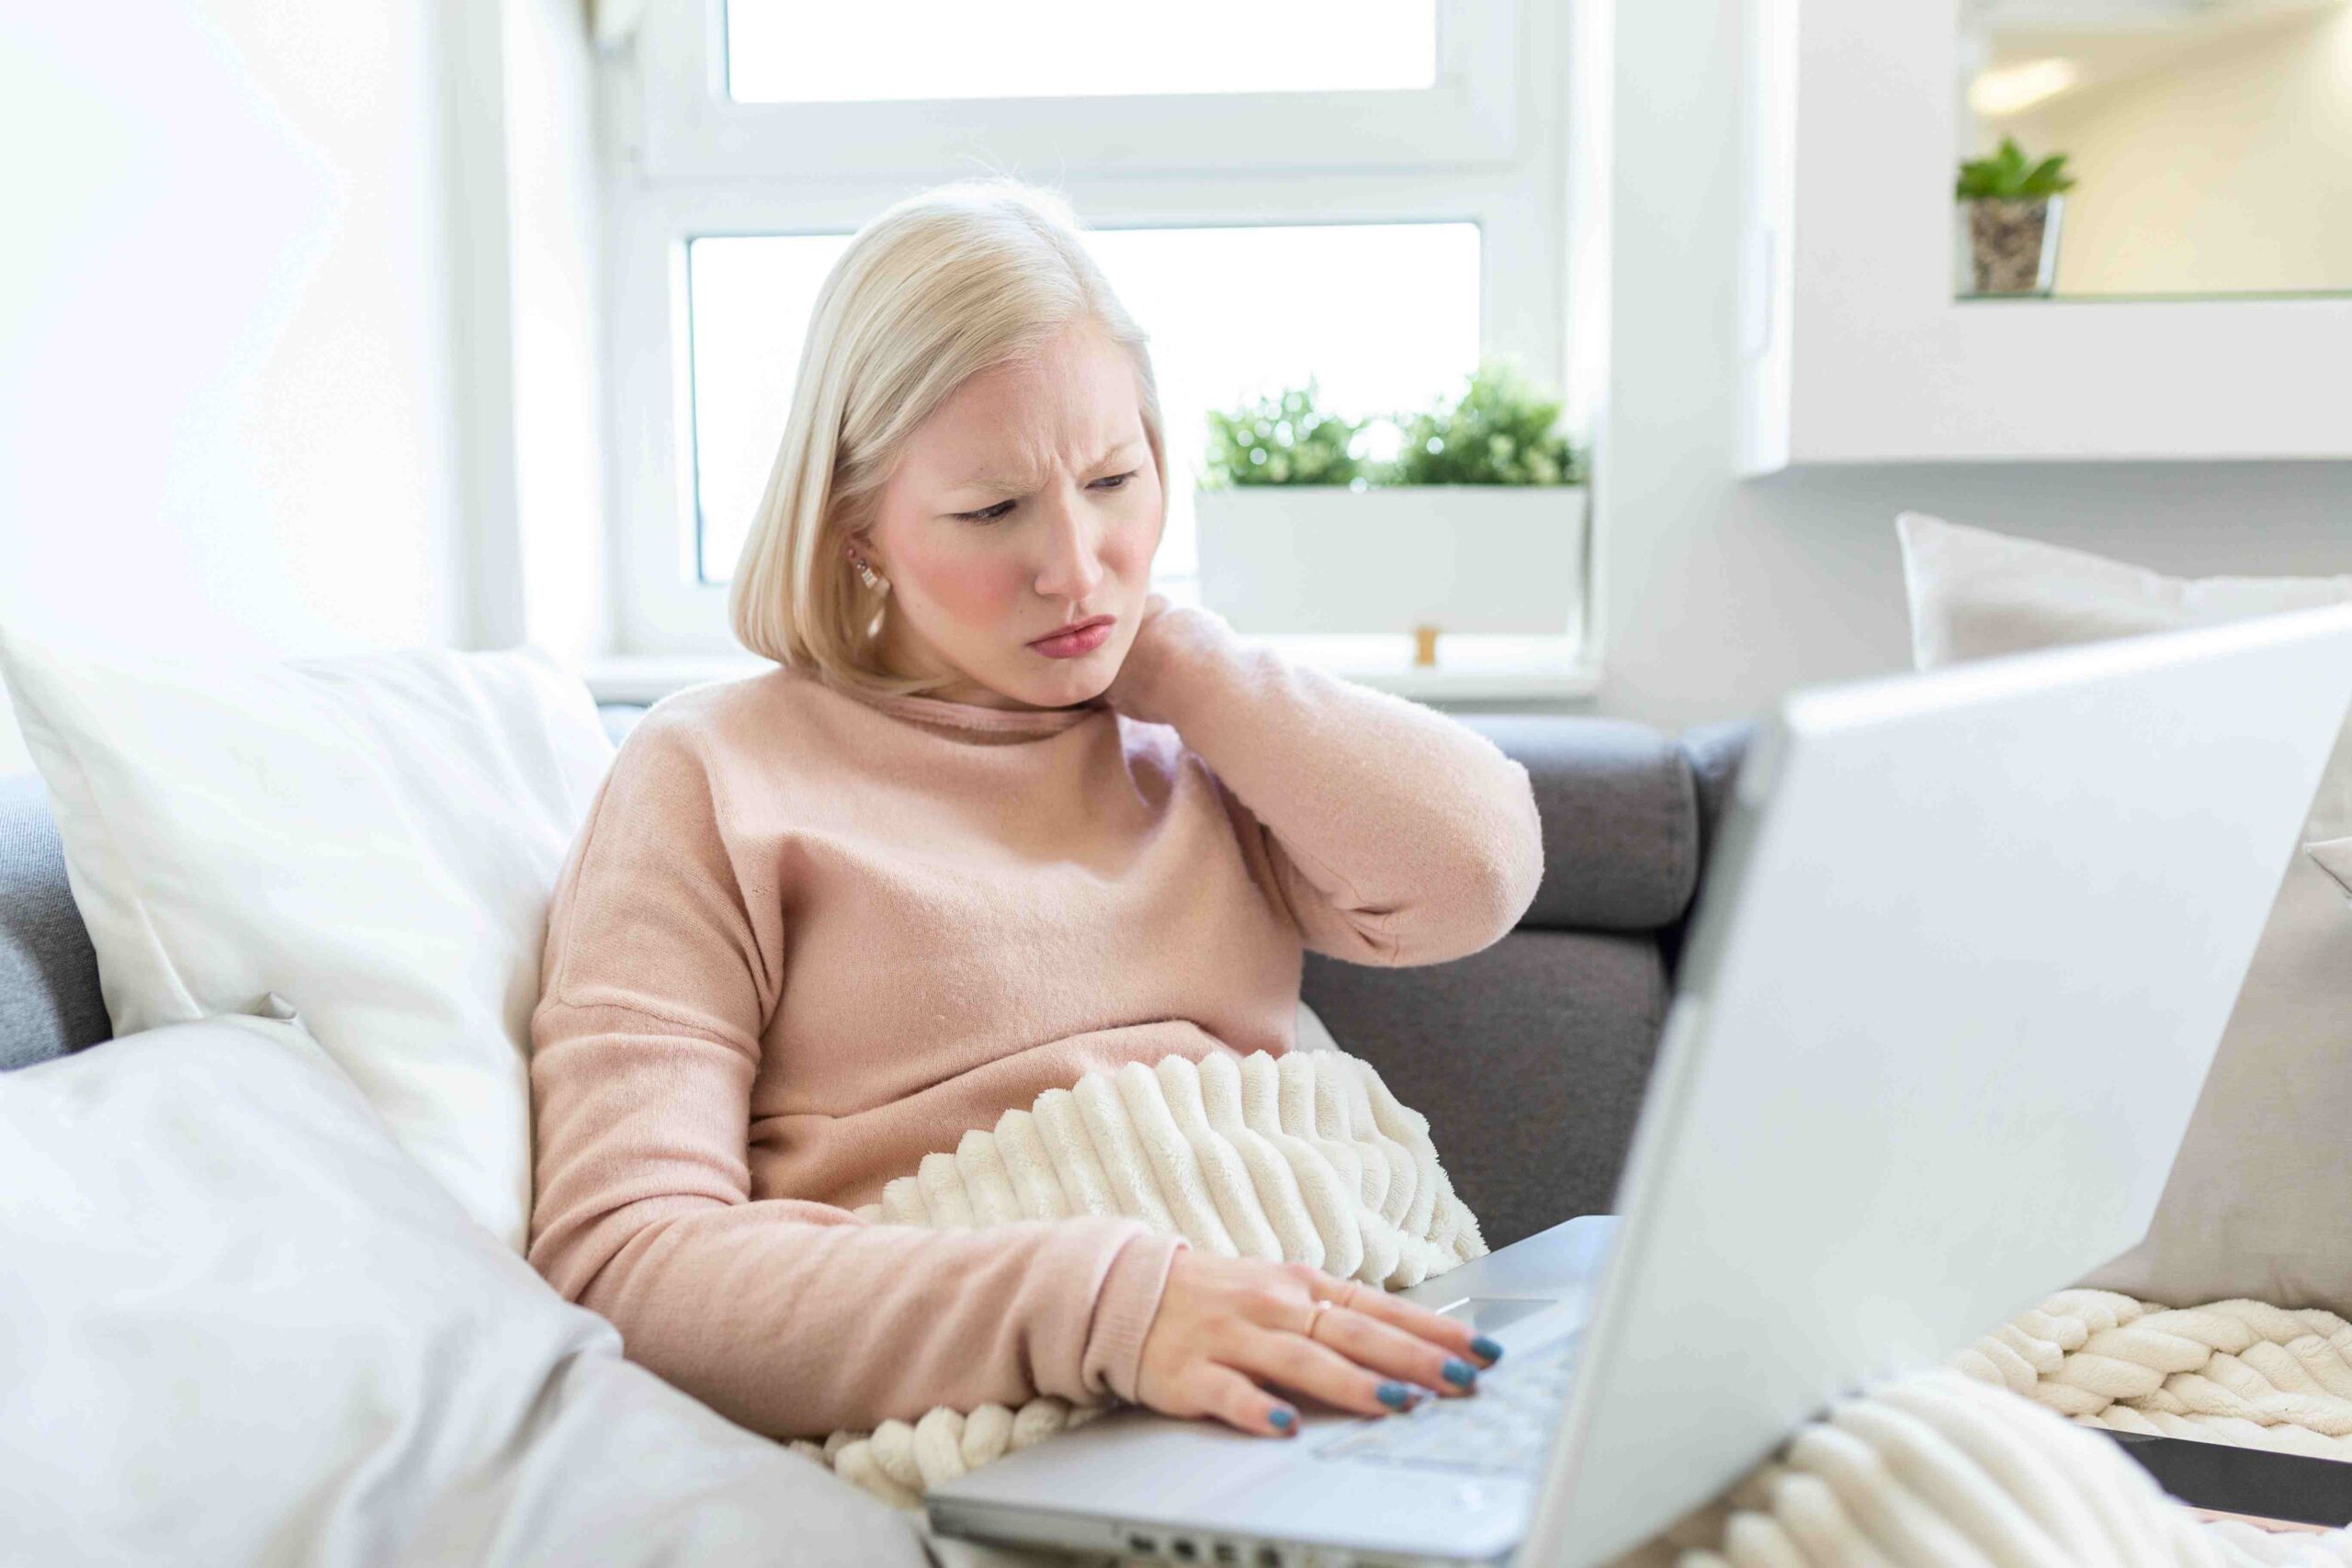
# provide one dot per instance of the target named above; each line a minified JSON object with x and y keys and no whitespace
{"x":798,"y":1318}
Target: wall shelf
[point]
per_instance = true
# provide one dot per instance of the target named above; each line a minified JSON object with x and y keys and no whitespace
{"x":1854,"y":349}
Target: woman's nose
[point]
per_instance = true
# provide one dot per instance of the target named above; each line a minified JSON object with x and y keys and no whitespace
{"x":1072,"y":564}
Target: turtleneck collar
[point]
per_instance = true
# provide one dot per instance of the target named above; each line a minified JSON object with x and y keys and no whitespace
{"x":975,"y":721}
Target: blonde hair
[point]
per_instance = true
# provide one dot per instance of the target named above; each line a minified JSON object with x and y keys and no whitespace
{"x":935,"y":290}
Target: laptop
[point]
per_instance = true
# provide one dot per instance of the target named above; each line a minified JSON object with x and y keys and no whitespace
{"x":1964,"y":950}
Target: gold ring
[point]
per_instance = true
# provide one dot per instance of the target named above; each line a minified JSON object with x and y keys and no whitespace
{"x":1314,"y":1314}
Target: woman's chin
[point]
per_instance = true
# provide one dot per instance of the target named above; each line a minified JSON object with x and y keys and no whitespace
{"x":1065,"y":683}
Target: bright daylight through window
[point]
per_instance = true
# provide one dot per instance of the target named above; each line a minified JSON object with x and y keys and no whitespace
{"x":1043,"y":49}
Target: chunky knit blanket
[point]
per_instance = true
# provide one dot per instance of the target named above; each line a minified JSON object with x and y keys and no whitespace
{"x":1972,"y":1466}
{"x":1308,"y":1156}
{"x":1302,"y":1157}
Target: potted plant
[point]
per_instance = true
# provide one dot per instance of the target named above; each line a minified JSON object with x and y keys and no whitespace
{"x":1286,"y":439}
{"x":1476,"y":524}
{"x":2013,"y":205}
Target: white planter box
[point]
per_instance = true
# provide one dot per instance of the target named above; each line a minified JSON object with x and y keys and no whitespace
{"x":1477,"y":559}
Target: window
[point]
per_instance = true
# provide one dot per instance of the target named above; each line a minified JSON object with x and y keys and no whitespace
{"x":1364,"y":191}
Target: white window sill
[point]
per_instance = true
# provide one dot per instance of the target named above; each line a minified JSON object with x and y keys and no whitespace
{"x":1481,"y":669}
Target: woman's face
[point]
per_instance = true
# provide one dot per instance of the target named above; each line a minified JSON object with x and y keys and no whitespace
{"x":1027,"y":502}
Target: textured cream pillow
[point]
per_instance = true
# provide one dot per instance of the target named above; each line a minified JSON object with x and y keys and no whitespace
{"x":2259,"y":1203}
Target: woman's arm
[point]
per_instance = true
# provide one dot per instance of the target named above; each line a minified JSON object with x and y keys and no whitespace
{"x":791,"y":1317}
{"x":1394,"y":834}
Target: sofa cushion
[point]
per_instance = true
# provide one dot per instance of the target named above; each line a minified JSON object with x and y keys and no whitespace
{"x":49,"y":1002}
{"x":1529,"y":1058}
{"x":2255,"y":1206}
{"x":249,"y":1330}
{"x":373,"y":835}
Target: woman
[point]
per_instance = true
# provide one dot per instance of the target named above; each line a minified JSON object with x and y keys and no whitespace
{"x":998,"y":817}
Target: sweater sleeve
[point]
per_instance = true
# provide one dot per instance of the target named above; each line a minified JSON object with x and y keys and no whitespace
{"x":794,"y":1319}
{"x":1394,"y":834}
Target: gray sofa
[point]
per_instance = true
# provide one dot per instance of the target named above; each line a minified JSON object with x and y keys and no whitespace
{"x":1529,"y":1058}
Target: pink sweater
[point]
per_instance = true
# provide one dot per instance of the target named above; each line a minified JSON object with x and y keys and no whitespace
{"x":806,"y":936}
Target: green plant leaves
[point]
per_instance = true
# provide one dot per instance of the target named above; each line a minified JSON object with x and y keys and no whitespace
{"x":2010,"y":175}
{"x":1286,"y":439}
{"x":1501,"y":431}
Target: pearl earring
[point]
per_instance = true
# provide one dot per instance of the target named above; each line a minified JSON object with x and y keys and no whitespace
{"x":865,"y":574}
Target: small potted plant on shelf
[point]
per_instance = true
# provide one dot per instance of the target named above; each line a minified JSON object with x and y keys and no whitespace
{"x":2013,"y":205}
{"x":1476,"y":525}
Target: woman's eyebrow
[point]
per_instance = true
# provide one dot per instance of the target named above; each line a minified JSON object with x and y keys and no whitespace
{"x":993,"y":478}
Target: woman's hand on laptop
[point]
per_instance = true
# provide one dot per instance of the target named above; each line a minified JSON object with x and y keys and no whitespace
{"x":1225,"y":1326}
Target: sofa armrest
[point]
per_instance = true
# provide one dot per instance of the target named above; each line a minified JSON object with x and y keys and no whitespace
{"x":1622,"y":819}
{"x":1715,"y":752}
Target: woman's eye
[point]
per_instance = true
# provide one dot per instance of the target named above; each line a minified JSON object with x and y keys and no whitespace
{"x":1116,"y":481}
{"x":987,"y":514}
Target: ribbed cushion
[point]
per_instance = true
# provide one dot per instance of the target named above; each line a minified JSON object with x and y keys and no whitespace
{"x":1305,"y":1157}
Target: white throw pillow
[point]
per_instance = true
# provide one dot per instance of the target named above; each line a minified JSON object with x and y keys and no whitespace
{"x":375,"y":836}
{"x":240,"y":1327}
{"x":2256,"y":1203}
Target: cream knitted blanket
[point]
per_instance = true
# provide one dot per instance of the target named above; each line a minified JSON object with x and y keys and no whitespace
{"x":1954,"y":1470}
{"x":1302,"y":1157}
{"x":1308,"y":1156}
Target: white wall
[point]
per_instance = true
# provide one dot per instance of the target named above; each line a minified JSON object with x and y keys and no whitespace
{"x":224,"y":329}
{"x":301,"y":315}
{"x":1717,"y":593}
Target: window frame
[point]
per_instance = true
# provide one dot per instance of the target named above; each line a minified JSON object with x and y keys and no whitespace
{"x":694,"y":131}
{"x":682,"y":163}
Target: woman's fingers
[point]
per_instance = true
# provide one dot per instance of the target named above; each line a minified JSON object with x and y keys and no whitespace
{"x":1457,"y":1336}
{"x":1393,"y":1352}
{"x":1311,"y":1367}
{"x":1225,"y":1327}
{"x":1233,"y":1399}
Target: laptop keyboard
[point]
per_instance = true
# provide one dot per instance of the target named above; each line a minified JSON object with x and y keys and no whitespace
{"x":1502,"y":1429}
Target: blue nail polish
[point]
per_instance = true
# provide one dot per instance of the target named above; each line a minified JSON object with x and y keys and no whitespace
{"x":1459,"y":1372}
{"x":1486,"y":1350}
{"x":1393,"y":1394}
{"x":1281,"y":1417}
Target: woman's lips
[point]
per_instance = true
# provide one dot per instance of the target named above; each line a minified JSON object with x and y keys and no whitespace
{"x":1069,"y":645}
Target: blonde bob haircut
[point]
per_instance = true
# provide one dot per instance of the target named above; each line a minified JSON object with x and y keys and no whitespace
{"x":935,"y":290}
